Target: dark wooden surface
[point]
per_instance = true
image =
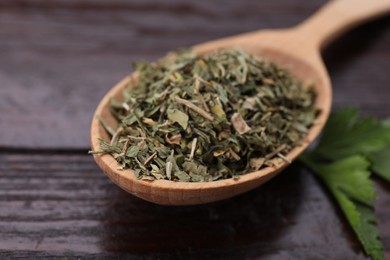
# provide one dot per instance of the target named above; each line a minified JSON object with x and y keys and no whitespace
{"x":59,"y":57}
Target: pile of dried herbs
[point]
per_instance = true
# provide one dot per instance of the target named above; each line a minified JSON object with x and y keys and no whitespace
{"x":203,"y":118}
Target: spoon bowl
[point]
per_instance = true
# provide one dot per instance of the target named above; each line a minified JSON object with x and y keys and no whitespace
{"x":296,"y":49}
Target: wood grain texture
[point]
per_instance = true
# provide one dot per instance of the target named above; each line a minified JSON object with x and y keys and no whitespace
{"x":67,"y":207}
{"x":59,"y":58}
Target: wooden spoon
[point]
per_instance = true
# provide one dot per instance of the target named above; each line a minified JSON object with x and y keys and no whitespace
{"x":297,"y":49}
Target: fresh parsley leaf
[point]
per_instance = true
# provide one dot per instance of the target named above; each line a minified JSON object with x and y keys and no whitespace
{"x":369,"y":234}
{"x":386,"y":123}
{"x":381,"y":163}
{"x":348,"y":181}
{"x":345,"y":134}
{"x":381,"y":159}
{"x":349,"y":148}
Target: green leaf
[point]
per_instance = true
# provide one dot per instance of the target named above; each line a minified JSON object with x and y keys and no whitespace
{"x":195,"y":168}
{"x":386,"y":123}
{"x":157,"y":172}
{"x":380,"y":159}
{"x":179,"y":117}
{"x":182,"y":176}
{"x":132,"y":117}
{"x":351,"y":176}
{"x":345,"y":134}
{"x":370,"y":237}
{"x":108,"y":128}
{"x":348,"y":181}
{"x":132,"y":151}
{"x":222,"y":94}
{"x":381,"y":163}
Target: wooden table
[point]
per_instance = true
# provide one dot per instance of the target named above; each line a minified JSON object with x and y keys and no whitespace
{"x":57,"y":60}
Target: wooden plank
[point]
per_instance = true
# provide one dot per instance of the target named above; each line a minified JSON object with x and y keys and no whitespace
{"x":62,"y":205}
{"x":58,"y":58}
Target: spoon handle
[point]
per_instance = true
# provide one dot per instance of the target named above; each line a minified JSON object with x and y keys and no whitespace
{"x":337,"y":17}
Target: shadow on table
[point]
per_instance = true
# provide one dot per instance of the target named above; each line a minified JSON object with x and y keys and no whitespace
{"x":254,"y":221}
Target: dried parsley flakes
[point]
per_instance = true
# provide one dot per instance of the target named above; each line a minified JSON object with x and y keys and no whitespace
{"x":203,"y":118}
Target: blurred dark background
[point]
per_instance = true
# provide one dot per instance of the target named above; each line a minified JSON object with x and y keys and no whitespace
{"x":58,"y":58}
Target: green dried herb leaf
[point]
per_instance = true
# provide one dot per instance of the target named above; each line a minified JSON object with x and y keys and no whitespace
{"x":203,"y":118}
{"x":179,"y":117}
{"x":195,"y":168}
{"x":132,"y":151}
{"x":182,"y":176}
{"x":108,"y":128}
{"x":157,"y":172}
